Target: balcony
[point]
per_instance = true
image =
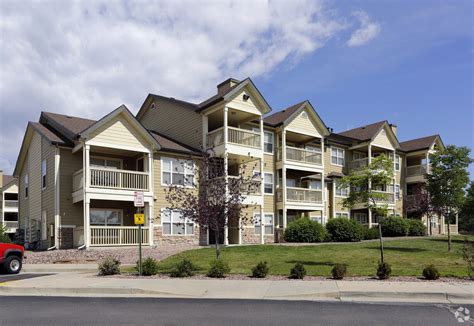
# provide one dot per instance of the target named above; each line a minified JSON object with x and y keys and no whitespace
{"x":235,"y":136}
{"x":301,"y":196}
{"x":112,"y":179}
{"x":416,"y":170}
{"x":10,"y":204}
{"x":10,"y":226}
{"x":359,"y":163}
{"x":301,"y":155}
{"x":117,"y":236}
{"x":389,"y":197}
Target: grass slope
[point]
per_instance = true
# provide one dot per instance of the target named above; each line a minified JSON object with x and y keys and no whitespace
{"x":408,"y":257}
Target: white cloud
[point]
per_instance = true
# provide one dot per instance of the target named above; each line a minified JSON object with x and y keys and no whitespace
{"x":368,"y":30}
{"x":87,"y":57}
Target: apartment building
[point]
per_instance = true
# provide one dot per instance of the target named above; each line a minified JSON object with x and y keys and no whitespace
{"x":9,"y":204}
{"x":77,"y":176}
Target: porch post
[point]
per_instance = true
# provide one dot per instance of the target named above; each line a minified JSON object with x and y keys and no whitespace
{"x":394,"y":182}
{"x":370,"y":217}
{"x":150,"y":172}
{"x":86,"y":169}
{"x":226,"y":173}
{"x":262,"y":225}
{"x":369,"y":186}
{"x":283,"y":177}
{"x":333,"y":197}
{"x":150,"y":223}
{"x":205,"y":130}
{"x":87,"y":231}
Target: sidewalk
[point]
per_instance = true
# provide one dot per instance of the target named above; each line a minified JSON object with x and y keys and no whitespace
{"x":89,"y":285}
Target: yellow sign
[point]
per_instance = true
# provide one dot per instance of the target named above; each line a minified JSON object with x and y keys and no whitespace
{"x":139,"y":219}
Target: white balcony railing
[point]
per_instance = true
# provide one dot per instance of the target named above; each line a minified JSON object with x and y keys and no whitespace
{"x":234,"y":135}
{"x":416,"y":170}
{"x":359,"y":163}
{"x":389,"y":197}
{"x":11,"y":203}
{"x":112,"y":179}
{"x":10,"y":225}
{"x":117,"y":235}
{"x":301,"y":155}
{"x":301,"y":195}
{"x":249,"y":187}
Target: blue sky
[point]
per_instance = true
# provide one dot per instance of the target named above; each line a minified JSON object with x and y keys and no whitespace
{"x":410,"y":62}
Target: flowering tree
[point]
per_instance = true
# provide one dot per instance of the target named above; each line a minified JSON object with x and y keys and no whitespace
{"x":419,"y":204}
{"x":215,"y":202}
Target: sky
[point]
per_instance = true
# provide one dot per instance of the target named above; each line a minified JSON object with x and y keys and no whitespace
{"x":357,"y":62}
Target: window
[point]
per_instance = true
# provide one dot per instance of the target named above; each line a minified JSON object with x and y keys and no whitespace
{"x":337,"y":156}
{"x":358,"y":156}
{"x":341,"y":192}
{"x":268,"y":142}
{"x":26,"y":185}
{"x":109,"y":163}
{"x":43,"y":174}
{"x":397,"y":191}
{"x":105,"y":217}
{"x":174,"y":224}
{"x":342,"y":215}
{"x":304,"y":115}
{"x":360,"y":218}
{"x":44,"y":226}
{"x":397,"y":162}
{"x":177,"y":172}
{"x":268,"y":223}
{"x":268,"y":183}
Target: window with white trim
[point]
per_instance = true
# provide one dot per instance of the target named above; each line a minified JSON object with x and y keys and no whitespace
{"x":342,"y":215}
{"x":27,"y":184}
{"x":177,"y":172}
{"x":268,"y":223}
{"x":268,"y":142}
{"x":173,"y":223}
{"x":43,"y":174}
{"x":341,"y":192}
{"x":397,"y":162}
{"x":105,"y":217}
{"x":268,"y":183}
{"x":397,"y":191}
{"x":361,"y":218}
{"x":103,"y":162}
{"x":337,"y":156}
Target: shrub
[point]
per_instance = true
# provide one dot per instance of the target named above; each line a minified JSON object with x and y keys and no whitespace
{"x":430,"y":272}
{"x":109,"y":266}
{"x":339,"y":271}
{"x":416,"y":228}
{"x":149,"y":266}
{"x":394,"y":226}
{"x":4,"y":238}
{"x":298,"y":271}
{"x":384,"y":270}
{"x":184,"y":268}
{"x":218,"y":269}
{"x":344,"y":230}
{"x":372,"y":233}
{"x":304,"y":230}
{"x":260,"y":270}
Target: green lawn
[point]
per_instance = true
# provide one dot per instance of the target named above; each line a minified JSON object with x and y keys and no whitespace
{"x":407,"y":257}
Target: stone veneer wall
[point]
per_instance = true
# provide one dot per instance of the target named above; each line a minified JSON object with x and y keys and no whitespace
{"x":66,"y":236}
{"x":199,"y":238}
{"x":249,"y":237}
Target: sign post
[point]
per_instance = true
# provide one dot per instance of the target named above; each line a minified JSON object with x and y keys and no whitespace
{"x":139,"y":219}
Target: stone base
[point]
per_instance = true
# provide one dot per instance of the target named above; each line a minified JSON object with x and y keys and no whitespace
{"x":199,"y":238}
{"x":66,"y":237}
{"x":249,"y":237}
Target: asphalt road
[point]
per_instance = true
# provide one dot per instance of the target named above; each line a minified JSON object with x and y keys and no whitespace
{"x":137,"y":311}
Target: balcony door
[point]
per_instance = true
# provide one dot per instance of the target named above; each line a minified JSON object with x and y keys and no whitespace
{"x":108,"y":163}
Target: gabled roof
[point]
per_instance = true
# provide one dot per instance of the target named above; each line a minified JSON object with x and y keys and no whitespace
{"x":366,"y":132}
{"x":419,"y":143}
{"x":50,"y":136}
{"x":65,"y":125}
{"x":168,"y":144}
{"x":7,"y":179}
{"x":278,"y":118}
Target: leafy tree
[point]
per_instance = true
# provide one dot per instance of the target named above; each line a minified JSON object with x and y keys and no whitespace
{"x":207,"y":205}
{"x":420,"y":204}
{"x":447,"y":180}
{"x":3,"y":235}
{"x":466,"y":215}
{"x":363,"y":184}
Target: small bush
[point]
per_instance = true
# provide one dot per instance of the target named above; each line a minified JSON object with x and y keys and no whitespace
{"x":184,"y":268}
{"x":4,"y":238}
{"x":416,"y":228}
{"x":430,"y":272}
{"x":109,"y":266}
{"x":372,"y":233}
{"x":149,"y":266}
{"x":298,"y":271}
{"x":218,"y":269}
{"x":344,"y":230}
{"x":304,"y":230}
{"x":384,"y":270}
{"x":394,"y":226}
{"x":339,"y":271}
{"x":260,"y":270}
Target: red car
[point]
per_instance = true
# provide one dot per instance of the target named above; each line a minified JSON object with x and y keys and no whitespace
{"x":11,"y":257}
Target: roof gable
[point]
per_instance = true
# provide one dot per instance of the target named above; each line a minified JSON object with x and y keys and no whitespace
{"x":304,"y":124}
{"x":423,"y":143}
{"x":386,"y":138}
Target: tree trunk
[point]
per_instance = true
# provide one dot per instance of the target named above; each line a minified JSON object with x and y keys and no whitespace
{"x":449,"y":232}
{"x":430,"y":226}
{"x":381,"y":242}
{"x":218,"y":250}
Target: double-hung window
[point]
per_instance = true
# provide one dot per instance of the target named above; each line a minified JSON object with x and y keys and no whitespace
{"x":106,"y":217}
{"x":397,"y":191}
{"x":177,"y":172}
{"x":268,"y":142}
{"x":337,"y":156}
{"x":342,"y":215}
{"x":341,"y":192}
{"x":268,"y":223}
{"x":361,"y":218}
{"x":268,"y":183}
{"x":43,"y":174}
{"x":397,"y":162}
{"x":173,"y":223}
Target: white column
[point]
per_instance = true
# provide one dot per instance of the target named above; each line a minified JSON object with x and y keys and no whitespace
{"x":283,"y":194}
{"x":87,"y":232}
{"x":394,"y":181}
{"x":57,"y":213}
{"x":226,"y":171}
{"x":205,"y":130}
{"x":370,"y":217}
{"x":262,"y":225}
{"x":86,"y":168}
{"x":283,"y":146}
{"x":334,"y":198}
{"x":427,"y":162}
{"x":151,"y":218}
{"x":370,"y":185}
{"x":150,"y":172}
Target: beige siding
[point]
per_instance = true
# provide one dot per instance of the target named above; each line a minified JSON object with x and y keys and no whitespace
{"x":34,"y":159}
{"x":304,"y":125}
{"x":328,"y":166}
{"x":238,"y":103}
{"x":119,"y":132}
{"x":24,"y":204}
{"x":382,"y":140}
{"x":178,"y":123}
{"x":47,"y":196}
{"x":70,"y":214}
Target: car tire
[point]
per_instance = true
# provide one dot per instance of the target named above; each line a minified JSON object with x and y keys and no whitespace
{"x":12,"y":265}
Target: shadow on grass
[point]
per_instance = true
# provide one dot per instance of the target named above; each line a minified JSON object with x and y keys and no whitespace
{"x":311,"y":263}
{"x":399,"y":249}
{"x":445,"y":240}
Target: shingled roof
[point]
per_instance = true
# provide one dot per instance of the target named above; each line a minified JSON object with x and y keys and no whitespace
{"x":363,"y":133}
{"x":279,"y":117}
{"x":168,"y":144}
{"x":67,"y":126}
{"x":47,"y":133}
{"x":418,"y":143}
{"x":7,"y":179}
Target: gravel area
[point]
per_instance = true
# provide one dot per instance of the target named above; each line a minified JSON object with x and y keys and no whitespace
{"x":126,"y":255}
